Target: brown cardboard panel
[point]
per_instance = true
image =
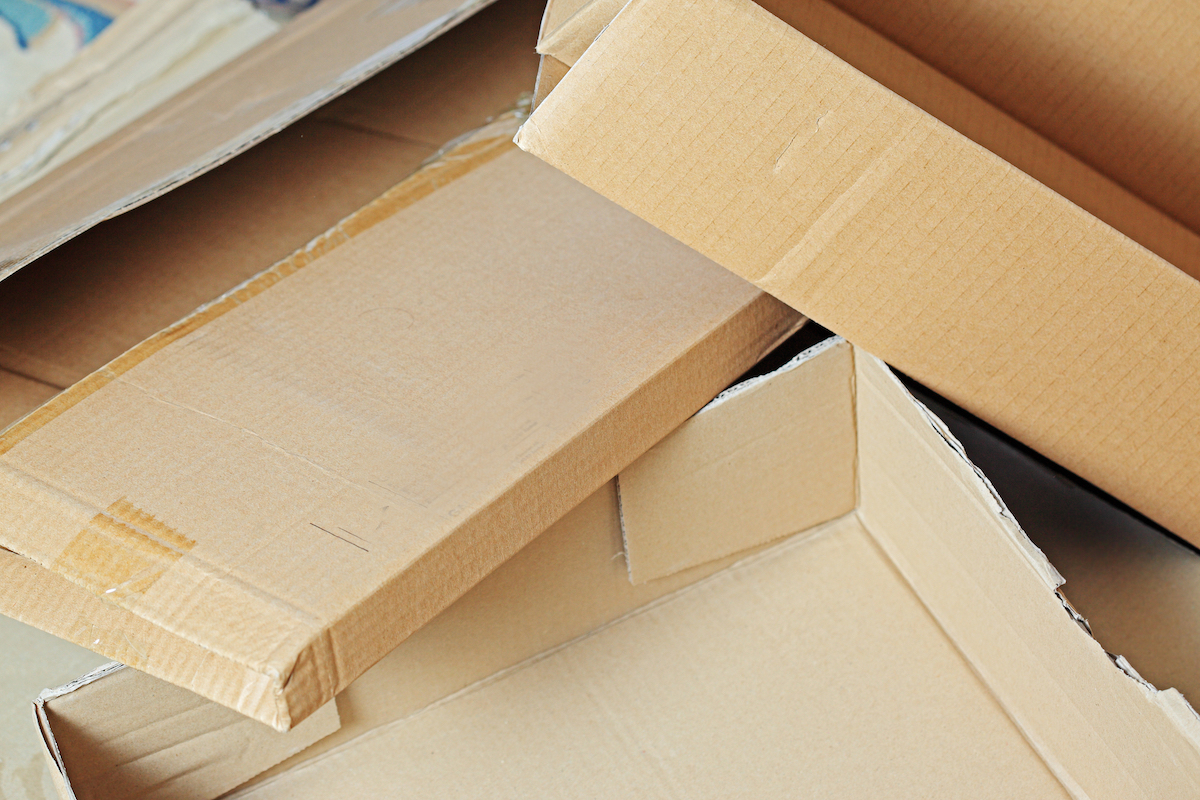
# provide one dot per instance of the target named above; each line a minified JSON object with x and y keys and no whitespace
{"x":1102,"y":732}
{"x":85,"y":303}
{"x":809,"y":670}
{"x":111,"y":747}
{"x":952,"y":103}
{"x":320,"y":55}
{"x":887,"y":226}
{"x":1138,"y":590}
{"x":789,"y":434}
{"x":276,"y":461}
{"x":1112,"y":82}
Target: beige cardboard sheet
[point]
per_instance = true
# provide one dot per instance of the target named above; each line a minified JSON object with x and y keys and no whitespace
{"x":794,"y":170}
{"x":294,"y":481}
{"x":320,"y":55}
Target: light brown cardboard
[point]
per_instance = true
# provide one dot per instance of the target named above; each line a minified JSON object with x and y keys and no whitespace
{"x":295,"y":457}
{"x":969,"y":113}
{"x":891,"y":228}
{"x":124,"y":741}
{"x":87,"y":302}
{"x":318,"y":56}
{"x":852,"y":659}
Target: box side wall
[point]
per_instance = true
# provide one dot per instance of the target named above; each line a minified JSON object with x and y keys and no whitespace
{"x":766,"y":459}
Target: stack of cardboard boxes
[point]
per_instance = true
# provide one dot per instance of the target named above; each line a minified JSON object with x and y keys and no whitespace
{"x":516,"y":422}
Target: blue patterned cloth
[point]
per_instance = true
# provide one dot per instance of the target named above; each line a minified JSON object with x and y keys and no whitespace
{"x":29,"y":18}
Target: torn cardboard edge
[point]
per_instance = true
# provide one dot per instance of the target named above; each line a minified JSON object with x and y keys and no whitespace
{"x":979,"y":273}
{"x":368,"y":35}
{"x":1100,"y":729}
{"x":897,"y":69}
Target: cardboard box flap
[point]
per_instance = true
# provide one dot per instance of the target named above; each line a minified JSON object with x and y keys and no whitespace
{"x":767,"y":458}
{"x":936,"y":93}
{"x":273,"y":461}
{"x":207,"y":748}
{"x":319,"y":55}
{"x":893,"y":230}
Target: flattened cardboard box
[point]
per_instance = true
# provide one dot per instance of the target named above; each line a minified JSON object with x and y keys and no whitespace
{"x":743,"y":138}
{"x":322,"y":53}
{"x":260,"y":502}
{"x":906,"y":638}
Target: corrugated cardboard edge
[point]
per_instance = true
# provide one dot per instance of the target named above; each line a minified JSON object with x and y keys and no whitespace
{"x":277,"y":708}
{"x":249,"y":138}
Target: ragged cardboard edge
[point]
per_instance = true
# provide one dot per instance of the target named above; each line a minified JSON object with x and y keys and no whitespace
{"x":472,"y":151}
{"x":249,"y":138}
{"x":956,"y":105}
{"x":747,"y":558}
{"x":50,"y":744}
{"x":640,"y":561}
{"x":1033,"y":554}
{"x":1181,"y":716}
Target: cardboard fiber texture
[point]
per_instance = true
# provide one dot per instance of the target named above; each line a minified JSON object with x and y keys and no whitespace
{"x":298,"y":458}
{"x":915,"y":646}
{"x":744,"y":139}
{"x":567,"y":32}
{"x":88,"y":301}
{"x":322,"y":53}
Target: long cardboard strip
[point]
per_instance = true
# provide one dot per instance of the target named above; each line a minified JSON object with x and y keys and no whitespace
{"x":292,"y":481}
{"x":735,"y":133}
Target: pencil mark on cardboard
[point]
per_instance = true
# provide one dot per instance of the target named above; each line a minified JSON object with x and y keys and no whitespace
{"x":341,"y":538}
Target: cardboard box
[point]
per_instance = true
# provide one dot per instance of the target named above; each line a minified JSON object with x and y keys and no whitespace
{"x":313,"y":59}
{"x":736,"y":133}
{"x":264,"y":499}
{"x":915,"y":643}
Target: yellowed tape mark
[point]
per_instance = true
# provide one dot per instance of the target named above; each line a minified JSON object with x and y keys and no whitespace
{"x":122,"y":553}
{"x":471,"y":152}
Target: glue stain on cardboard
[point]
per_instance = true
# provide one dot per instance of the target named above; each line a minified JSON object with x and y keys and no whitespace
{"x":121,"y":553}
